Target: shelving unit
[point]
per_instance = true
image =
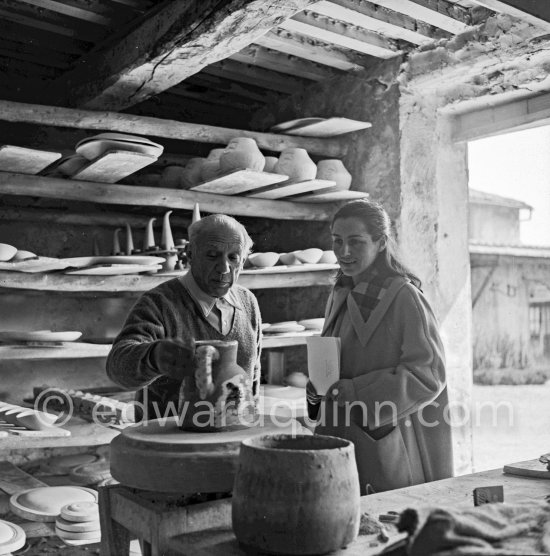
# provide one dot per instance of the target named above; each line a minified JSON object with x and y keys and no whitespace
{"x":82,"y":350}
{"x":33,"y":186}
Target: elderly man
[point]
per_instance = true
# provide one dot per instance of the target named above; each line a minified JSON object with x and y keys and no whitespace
{"x":155,"y":348}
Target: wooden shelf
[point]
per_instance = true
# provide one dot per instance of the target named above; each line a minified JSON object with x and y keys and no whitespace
{"x":82,"y":350}
{"x":67,"y":350}
{"x":133,"y":195}
{"x":139,"y":283}
{"x":83,"y":433}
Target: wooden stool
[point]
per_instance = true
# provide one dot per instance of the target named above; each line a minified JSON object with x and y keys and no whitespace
{"x":126,"y":513}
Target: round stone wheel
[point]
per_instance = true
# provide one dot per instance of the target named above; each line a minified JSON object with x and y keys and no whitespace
{"x":156,"y":455}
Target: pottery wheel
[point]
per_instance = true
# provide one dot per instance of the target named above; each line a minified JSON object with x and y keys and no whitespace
{"x":156,"y":455}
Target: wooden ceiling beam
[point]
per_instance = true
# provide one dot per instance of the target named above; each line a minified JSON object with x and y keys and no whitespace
{"x":39,"y":18}
{"x":536,"y":13}
{"x":42,"y":39}
{"x":380,"y":20}
{"x":336,"y":32}
{"x":70,"y":10}
{"x":416,"y":10}
{"x":25,"y":51}
{"x":232,"y":88}
{"x":252,"y":75}
{"x":283,"y":63}
{"x":316,"y":51}
{"x":177,"y":40}
{"x":209,"y":97}
{"x":448,"y":9}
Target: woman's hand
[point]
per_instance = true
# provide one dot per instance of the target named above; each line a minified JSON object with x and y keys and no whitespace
{"x":341,"y":392}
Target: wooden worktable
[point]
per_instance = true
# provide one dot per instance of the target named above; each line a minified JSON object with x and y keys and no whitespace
{"x":455,"y":492}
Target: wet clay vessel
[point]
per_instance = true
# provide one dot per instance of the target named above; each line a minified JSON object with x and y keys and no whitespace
{"x":219,"y":396}
{"x":296,"y":494}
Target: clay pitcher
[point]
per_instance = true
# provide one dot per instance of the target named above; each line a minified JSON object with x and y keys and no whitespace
{"x":334,"y":170}
{"x":219,"y":396}
{"x":242,"y":152}
{"x":296,"y":494}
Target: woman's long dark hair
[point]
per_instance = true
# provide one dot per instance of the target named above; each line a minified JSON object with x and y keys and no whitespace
{"x":378,"y":226}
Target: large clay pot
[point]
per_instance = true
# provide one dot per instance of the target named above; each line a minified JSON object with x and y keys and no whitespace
{"x":270,"y":162}
{"x":211,"y":165}
{"x":219,"y":396}
{"x":296,"y":164}
{"x":334,"y":170}
{"x":296,"y":494}
{"x":242,"y":152}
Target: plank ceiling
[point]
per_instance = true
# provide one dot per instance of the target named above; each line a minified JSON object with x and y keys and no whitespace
{"x":214,"y":61}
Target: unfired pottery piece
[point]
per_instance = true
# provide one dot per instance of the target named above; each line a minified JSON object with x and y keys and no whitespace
{"x":334,"y":169}
{"x":45,"y":503}
{"x":23,"y":255}
{"x":78,"y":512}
{"x":328,"y":257}
{"x":311,"y":256}
{"x":270,"y":162}
{"x":171,"y":176}
{"x":242,"y":152}
{"x":64,"y":464}
{"x":191,"y":174}
{"x":211,"y":164}
{"x":289,"y":258}
{"x":296,"y":164}
{"x":263,"y":260}
{"x":296,"y":494}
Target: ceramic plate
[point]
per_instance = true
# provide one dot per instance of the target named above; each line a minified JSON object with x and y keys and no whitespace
{"x":285,"y":126}
{"x":280,"y":327}
{"x":39,"y":336}
{"x":115,"y":269}
{"x":12,"y":537}
{"x":324,"y":127}
{"x":96,"y":147}
{"x":119,"y":137}
{"x":312,"y":324}
{"x":45,"y":503}
{"x":81,"y":262}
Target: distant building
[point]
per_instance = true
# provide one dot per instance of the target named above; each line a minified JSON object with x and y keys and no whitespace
{"x":510,"y":285}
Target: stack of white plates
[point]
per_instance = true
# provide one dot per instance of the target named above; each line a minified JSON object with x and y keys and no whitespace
{"x":93,"y":147}
{"x":78,"y":523}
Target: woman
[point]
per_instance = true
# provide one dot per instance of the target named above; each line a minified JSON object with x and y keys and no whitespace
{"x":391,"y":400}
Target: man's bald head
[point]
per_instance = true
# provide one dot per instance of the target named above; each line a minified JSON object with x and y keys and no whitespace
{"x":217,"y":224}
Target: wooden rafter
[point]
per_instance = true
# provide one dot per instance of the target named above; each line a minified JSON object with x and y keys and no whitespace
{"x":534,"y":13}
{"x":185,"y":90}
{"x":417,"y":11}
{"x":341,"y":34}
{"x":448,"y":9}
{"x":379,"y":20}
{"x":281,"y":62}
{"x":70,"y":10}
{"x":316,"y":51}
{"x":174,"y":42}
{"x":231,"y":87}
{"x":24,"y":51}
{"x":251,"y":75}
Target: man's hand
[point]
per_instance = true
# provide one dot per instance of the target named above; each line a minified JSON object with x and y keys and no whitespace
{"x":172,"y":358}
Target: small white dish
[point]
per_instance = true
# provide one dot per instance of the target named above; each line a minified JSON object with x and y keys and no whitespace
{"x":94,"y":148}
{"x":312,"y":324}
{"x":263,"y":260}
{"x":282,"y":327}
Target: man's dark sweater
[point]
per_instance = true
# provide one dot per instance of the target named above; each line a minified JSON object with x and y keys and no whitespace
{"x":169,"y":312}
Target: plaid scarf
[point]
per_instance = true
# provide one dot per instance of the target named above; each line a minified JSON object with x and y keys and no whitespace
{"x":371,"y":288}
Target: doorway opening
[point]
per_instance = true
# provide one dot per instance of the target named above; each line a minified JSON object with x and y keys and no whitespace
{"x":509,"y":242}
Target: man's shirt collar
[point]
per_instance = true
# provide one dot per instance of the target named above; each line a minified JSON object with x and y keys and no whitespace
{"x":203,"y":300}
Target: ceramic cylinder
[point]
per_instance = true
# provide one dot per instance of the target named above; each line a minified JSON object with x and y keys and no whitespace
{"x":333,"y":169}
{"x":296,"y":494}
{"x":296,"y":164}
{"x":242,"y":152}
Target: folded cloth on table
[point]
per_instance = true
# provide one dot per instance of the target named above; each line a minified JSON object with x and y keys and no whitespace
{"x":491,"y":529}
